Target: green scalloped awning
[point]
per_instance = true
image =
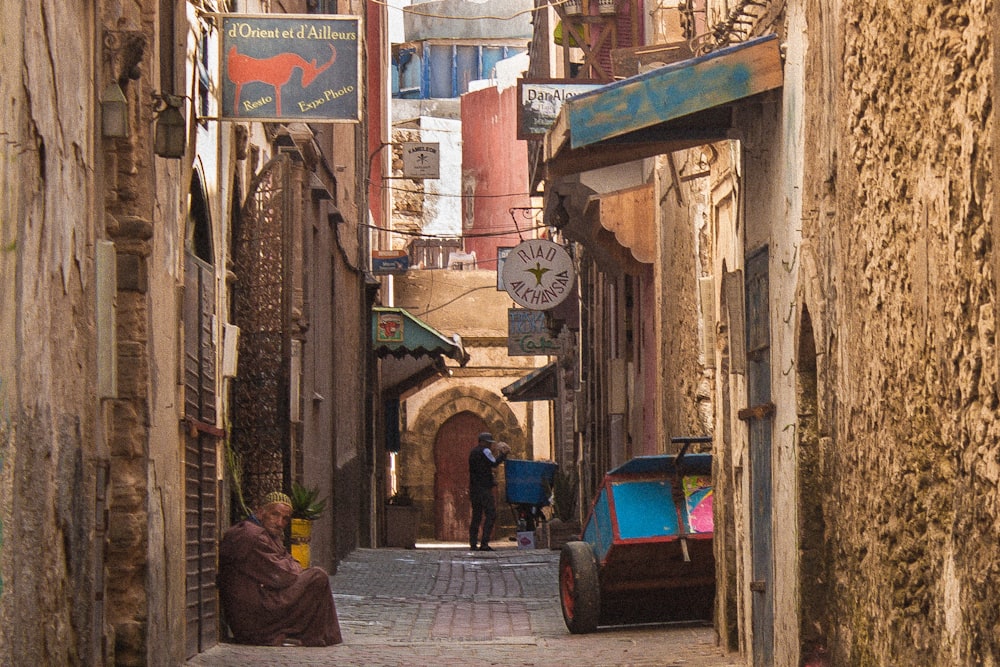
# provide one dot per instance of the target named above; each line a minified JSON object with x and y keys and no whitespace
{"x":398,"y":333}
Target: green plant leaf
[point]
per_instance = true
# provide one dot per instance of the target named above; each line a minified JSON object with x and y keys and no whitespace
{"x":306,"y":503}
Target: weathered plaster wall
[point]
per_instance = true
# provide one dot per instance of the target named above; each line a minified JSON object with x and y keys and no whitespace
{"x":492,"y":19}
{"x":684,"y":215}
{"x":352,"y":470}
{"x":434,"y":205}
{"x":897,"y":204}
{"x":49,"y":422}
{"x":779,"y":150}
{"x":720,"y":253}
{"x":489,"y":138}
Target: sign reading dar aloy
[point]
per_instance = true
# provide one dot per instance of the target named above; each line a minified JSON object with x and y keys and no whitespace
{"x":538,"y":274}
{"x":540,"y":100}
{"x":290,"y":67}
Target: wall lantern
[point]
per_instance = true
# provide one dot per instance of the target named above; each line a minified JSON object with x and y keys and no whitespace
{"x":170,"y":137}
{"x":114,"y":112}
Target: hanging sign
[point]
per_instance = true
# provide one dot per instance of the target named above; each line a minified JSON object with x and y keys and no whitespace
{"x":421,"y":160}
{"x":388,"y":262}
{"x":290,"y":68}
{"x":527,"y":334}
{"x":538,"y":274}
{"x":539,"y":102}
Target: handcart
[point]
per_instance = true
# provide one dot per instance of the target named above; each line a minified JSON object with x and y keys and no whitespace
{"x":529,"y":484}
{"x":646,"y":553}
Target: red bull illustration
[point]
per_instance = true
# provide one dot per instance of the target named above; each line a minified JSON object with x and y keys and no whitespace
{"x":290,"y":67}
{"x":275,"y":71}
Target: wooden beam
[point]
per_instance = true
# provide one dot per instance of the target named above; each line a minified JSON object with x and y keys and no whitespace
{"x":606,"y":155}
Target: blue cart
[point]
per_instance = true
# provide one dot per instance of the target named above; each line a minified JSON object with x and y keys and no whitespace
{"x":529,"y":484}
{"x":646,"y":553}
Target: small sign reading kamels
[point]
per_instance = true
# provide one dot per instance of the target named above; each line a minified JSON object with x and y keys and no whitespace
{"x":421,"y":160}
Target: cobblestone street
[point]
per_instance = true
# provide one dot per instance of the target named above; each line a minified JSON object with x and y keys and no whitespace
{"x":452,"y":606}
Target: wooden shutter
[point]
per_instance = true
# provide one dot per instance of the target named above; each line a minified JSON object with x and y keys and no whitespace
{"x":200,"y":458}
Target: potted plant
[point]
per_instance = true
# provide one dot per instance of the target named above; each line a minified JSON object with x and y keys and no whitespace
{"x":307,"y":506}
{"x":564,"y":526}
{"x":402,"y":520}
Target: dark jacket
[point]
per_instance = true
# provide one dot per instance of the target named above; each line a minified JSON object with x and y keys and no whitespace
{"x":482,"y":461}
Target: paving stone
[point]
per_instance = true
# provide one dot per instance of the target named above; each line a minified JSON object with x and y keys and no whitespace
{"x":434,"y":606}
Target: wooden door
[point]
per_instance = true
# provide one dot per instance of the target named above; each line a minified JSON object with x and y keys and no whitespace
{"x":452,"y":510}
{"x":760,"y":416}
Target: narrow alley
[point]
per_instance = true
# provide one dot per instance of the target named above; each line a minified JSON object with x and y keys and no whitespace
{"x":452,"y":606}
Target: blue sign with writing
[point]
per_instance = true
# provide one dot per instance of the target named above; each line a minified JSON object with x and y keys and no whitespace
{"x":387,"y":262}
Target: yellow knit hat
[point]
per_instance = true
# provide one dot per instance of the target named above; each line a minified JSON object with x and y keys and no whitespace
{"x":277,"y":497}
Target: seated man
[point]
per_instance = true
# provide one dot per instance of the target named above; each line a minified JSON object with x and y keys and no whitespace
{"x":267,"y":598}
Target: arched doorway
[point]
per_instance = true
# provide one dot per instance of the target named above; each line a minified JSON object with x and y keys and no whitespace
{"x":451,"y":475}
{"x":813,"y":587}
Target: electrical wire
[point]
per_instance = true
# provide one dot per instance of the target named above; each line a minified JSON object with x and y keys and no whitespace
{"x":447,"y":237}
{"x":408,"y":9}
{"x":454,"y":299}
{"x":407,"y":191}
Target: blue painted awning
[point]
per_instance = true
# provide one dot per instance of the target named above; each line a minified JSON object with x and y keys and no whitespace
{"x":669,"y":108}
{"x":397,"y":333}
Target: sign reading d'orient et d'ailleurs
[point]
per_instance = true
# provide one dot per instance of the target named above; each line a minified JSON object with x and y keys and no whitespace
{"x":290,"y":67}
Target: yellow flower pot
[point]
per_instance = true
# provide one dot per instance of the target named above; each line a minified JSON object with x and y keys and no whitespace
{"x":301,"y":535}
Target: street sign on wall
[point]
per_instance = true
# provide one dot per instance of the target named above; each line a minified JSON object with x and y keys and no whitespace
{"x":290,"y":67}
{"x":388,"y":262}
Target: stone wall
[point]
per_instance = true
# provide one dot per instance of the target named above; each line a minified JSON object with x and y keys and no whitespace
{"x":49,"y":455}
{"x":897,"y":204}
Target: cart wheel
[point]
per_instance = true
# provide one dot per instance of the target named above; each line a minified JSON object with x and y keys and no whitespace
{"x":579,"y":590}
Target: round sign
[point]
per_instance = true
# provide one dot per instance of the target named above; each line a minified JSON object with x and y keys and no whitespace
{"x":538,"y":274}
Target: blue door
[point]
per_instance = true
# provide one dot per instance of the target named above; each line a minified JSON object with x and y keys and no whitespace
{"x":759,"y":416}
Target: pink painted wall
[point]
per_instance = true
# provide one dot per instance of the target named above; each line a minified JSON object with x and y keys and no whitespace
{"x":495,"y":164}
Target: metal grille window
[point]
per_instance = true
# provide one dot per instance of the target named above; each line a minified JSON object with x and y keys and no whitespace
{"x":260,"y":428}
